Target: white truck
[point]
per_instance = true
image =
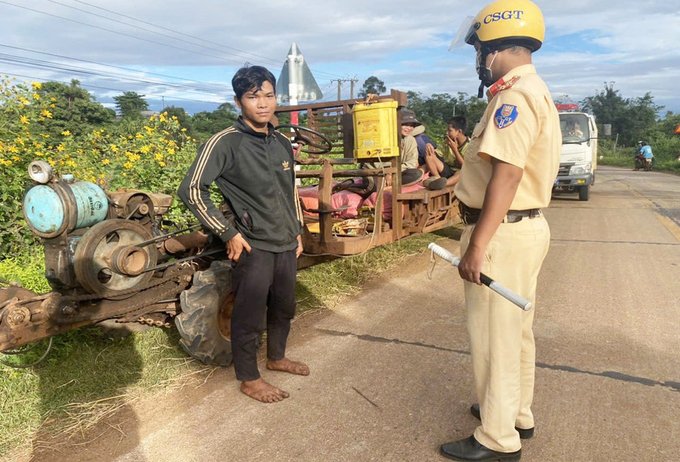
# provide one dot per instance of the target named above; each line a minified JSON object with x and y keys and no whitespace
{"x":579,"y":152}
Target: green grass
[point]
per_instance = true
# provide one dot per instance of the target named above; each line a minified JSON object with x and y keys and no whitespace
{"x":90,"y":375}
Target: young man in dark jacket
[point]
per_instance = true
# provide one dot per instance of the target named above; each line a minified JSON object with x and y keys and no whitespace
{"x":253,"y":166}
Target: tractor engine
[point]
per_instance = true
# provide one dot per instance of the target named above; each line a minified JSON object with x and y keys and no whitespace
{"x":107,"y":257}
{"x":102,"y":243}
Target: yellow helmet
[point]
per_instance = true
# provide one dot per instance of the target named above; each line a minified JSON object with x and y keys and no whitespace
{"x":505,"y":23}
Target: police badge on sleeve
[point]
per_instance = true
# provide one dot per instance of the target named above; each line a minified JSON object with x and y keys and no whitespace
{"x":505,"y":116}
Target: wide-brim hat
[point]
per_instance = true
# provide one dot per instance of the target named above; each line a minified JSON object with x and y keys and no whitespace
{"x":409,"y":117}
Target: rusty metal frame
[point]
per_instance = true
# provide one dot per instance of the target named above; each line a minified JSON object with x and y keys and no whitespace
{"x":412,"y":213}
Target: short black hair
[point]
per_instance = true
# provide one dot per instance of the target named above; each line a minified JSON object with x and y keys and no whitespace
{"x":458,"y":122}
{"x":249,"y":77}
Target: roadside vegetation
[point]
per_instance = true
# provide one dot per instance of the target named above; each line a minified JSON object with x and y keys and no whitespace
{"x":91,"y":373}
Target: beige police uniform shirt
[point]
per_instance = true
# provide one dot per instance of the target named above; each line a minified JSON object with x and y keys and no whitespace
{"x":521,"y":127}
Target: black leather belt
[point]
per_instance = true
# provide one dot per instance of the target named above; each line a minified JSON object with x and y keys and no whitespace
{"x":470,"y":215}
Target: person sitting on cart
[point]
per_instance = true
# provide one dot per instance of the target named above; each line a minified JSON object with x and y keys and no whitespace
{"x":253,"y":166}
{"x":410,"y":173}
{"x":411,"y":126}
{"x":445,"y":168}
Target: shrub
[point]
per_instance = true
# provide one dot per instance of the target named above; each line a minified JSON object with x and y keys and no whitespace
{"x":149,"y":154}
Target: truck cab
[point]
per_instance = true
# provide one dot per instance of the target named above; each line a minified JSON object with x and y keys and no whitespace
{"x":579,"y":152}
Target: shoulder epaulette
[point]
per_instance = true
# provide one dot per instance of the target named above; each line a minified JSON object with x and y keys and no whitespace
{"x":501,"y":85}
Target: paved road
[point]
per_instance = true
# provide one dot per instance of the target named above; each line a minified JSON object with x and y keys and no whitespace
{"x":391,"y":375}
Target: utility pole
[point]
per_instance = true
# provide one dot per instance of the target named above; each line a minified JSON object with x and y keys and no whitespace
{"x":351,"y":91}
{"x":340,"y":81}
{"x":163,"y":100}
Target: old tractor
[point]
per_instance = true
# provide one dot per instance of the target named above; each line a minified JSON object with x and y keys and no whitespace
{"x":108,"y":258}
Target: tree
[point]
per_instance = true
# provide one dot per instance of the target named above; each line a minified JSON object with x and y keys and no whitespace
{"x":72,"y":108}
{"x":436,"y":110}
{"x":207,"y":124}
{"x":631,"y":119}
{"x":131,"y":104}
{"x":184,"y":119}
{"x":372,"y":85}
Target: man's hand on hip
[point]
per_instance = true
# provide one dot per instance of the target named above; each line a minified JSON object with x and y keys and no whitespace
{"x":235,"y":247}
{"x":299,"y":249}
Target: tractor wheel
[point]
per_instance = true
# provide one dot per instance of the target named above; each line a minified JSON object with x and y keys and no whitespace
{"x":584,"y":193}
{"x":205,"y":321}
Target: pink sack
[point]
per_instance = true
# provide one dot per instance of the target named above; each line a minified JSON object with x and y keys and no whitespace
{"x":387,"y":199}
{"x":310,"y":197}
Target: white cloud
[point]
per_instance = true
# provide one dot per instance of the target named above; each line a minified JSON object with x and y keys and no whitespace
{"x":632,"y":43}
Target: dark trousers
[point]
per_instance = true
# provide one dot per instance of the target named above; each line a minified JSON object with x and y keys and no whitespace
{"x":264,"y":289}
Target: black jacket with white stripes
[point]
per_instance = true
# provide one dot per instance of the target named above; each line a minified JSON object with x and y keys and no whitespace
{"x":256,"y":174}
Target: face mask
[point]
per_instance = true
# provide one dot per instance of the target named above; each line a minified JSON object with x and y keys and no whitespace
{"x":484,"y":72}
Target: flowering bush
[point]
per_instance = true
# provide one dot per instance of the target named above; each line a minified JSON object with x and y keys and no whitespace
{"x":152,"y":155}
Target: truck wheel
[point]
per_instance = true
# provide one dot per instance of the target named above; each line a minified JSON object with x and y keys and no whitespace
{"x":205,"y":321}
{"x":584,"y":193}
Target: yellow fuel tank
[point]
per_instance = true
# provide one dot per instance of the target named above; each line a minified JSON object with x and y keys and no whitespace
{"x":376,"y":131}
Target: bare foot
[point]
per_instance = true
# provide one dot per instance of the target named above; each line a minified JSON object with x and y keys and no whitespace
{"x":263,"y":391}
{"x":286,"y":365}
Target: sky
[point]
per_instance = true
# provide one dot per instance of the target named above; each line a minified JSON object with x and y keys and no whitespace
{"x":182,"y":53}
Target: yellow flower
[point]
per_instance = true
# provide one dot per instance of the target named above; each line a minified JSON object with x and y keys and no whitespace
{"x":46,"y":113}
{"x":184,"y":129}
{"x":24,"y":101}
{"x":139,"y":136}
{"x":54,"y":100}
{"x":171,"y":151}
{"x":24,"y":120}
{"x":158,"y":156}
{"x":16,"y":158}
{"x":70,"y":163}
{"x":106,"y":162}
{"x":36,"y":85}
{"x":162,"y":164}
{"x":36,"y":96}
{"x":113,"y":147}
{"x":60,"y":147}
{"x":19,"y":140}
{"x":39,"y":154}
{"x":66,"y":133}
{"x":127,"y":165}
{"x":144,"y":149}
{"x":13,"y":149}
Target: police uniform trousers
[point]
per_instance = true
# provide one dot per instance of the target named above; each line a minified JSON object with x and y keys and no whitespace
{"x":501,"y":336}
{"x":264,"y":292}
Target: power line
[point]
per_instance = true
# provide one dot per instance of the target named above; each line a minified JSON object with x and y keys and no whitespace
{"x":83,"y":85}
{"x":117,"y":32}
{"x":41,"y":64}
{"x":218,"y":87}
{"x":130,"y":35}
{"x":142,"y":28}
{"x":247,"y":53}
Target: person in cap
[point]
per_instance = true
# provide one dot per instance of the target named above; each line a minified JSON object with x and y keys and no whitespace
{"x":410,"y":173}
{"x":411,"y":126}
{"x":509,"y":170}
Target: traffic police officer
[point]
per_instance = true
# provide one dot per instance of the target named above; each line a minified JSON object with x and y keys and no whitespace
{"x":507,"y":177}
